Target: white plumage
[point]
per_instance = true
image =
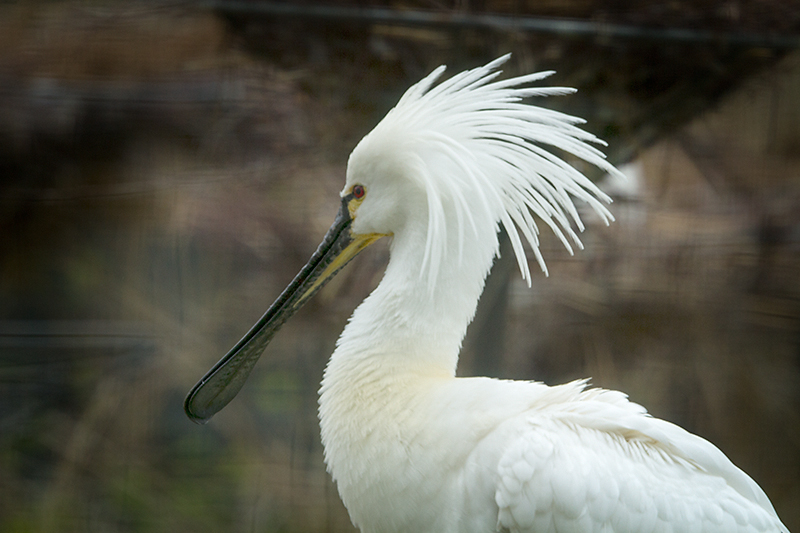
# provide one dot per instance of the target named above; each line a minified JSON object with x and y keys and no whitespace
{"x":413,"y":448}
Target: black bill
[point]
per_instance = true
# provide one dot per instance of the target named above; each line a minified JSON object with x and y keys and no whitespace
{"x":226,"y":378}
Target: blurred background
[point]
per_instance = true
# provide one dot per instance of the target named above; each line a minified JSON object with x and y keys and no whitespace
{"x":167,"y":167}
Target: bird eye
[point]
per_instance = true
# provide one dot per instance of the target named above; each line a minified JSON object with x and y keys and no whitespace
{"x":359,"y":191}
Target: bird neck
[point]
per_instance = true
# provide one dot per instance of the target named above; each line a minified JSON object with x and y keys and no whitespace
{"x":403,"y":337}
{"x":410,"y":324}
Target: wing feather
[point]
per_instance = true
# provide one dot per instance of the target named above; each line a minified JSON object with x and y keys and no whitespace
{"x":601,"y":464}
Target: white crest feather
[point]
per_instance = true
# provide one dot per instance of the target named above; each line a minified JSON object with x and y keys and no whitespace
{"x":494,"y":148}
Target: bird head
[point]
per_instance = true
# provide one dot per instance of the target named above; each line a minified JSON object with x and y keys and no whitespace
{"x":377,"y":180}
{"x":451,"y":161}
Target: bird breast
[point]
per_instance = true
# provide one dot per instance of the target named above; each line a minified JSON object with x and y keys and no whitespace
{"x":422,"y":449}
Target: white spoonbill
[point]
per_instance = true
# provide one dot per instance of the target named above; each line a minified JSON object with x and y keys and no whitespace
{"x":413,"y":448}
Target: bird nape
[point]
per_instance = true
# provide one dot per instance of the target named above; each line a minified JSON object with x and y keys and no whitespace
{"x":414,"y":448}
